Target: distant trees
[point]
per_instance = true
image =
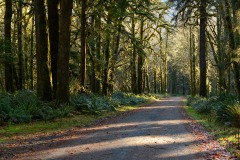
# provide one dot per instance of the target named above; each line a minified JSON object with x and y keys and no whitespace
{"x":218,"y":27}
{"x":105,"y":46}
{"x":188,"y":13}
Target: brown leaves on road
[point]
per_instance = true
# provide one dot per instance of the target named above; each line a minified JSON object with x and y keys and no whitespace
{"x":207,"y":144}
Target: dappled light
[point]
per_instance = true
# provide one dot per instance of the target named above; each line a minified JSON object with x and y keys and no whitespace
{"x":108,"y":79}
{"x":153,"y":132}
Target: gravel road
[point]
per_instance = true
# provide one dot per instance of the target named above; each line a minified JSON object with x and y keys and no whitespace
{"x":153,"y":132}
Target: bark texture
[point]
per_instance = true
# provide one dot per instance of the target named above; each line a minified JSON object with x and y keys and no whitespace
{"x":64,"y":50}
{"x":43,"y":74}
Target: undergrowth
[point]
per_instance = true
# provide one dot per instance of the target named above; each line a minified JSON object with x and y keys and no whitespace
{"x":221,"y":117}
{"x":25,"y":106}
{"x":23,"y":113}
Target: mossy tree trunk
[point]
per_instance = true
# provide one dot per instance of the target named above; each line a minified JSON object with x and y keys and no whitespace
{"x":8,"y":47}
{"x":53,"y":23}
{"x":140,"y":59}
{"x":232,"y":44}
{"x":43,"y":74}
{"x":83,"y":44}
{"x":105,"y":83}
{"x":202,"y":54}
{"x":62,"y":95}
{"x":20,"y":50}
{"x":133,"y":59}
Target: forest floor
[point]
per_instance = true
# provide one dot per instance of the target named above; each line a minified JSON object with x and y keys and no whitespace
{"x":160,"y":130}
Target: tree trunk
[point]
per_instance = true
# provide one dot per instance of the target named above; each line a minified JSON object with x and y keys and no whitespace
{"x":133,"y":60}
{"x":91,"y":50}
{"x":161,"y":80}
{"x":62,"y":95}
{"x":31,"y":54}
{"x":43,"y":75}
{"x":155,"y":80}
{"x":221,"y":60}
{"x":140,"y":59}
{"x":115,"y":54}
{"x":83,"y":44}
{"x":202,"y":55}
{"x":165,"y":65}
{"x":183,"y":84}
{"x":98,"y":54}
{"x":148,"y":81}
{"x":232,"y":43}
{"x":8,"y":48}
{"x":20,"y":52}
{"x":191,"y":60}
{"x":107,"y":57}
{"x":53,"y":23}
{"x":144,"y":80}
{"x":194,"y":66}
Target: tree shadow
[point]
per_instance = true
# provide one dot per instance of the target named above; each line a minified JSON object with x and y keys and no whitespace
{"x":143,"y":131}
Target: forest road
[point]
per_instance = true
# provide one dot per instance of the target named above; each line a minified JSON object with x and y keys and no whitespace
{"x":154,"y":132}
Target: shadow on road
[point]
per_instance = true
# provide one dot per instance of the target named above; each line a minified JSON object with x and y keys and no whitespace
{"x":153,"y":132}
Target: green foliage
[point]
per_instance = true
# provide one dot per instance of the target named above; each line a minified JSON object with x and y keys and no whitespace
{"x":89,"y":103}
{"x":127,"y":98}
{"x":218,"y":108}
{"x":214,"y":106}
{"x":233,"y":115}
{"x":202,"y":105}
{"x":24,"y":107}
{"x":224,"y":115}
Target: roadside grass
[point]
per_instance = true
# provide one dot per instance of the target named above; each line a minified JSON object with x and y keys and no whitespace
{"x":12,"y":131}
{"x":225,"y":135}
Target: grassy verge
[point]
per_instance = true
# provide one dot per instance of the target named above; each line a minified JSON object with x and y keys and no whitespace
{"x":9,"y":133}
{"x":224,"y":135}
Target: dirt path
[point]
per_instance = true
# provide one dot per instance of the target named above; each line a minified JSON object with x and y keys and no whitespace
{"x":153,"y":132}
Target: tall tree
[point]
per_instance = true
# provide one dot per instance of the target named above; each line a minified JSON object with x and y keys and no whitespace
{"x":133,"y":58}
{"x":140,"y":58}
{"x":192,"y":62}
{"x":20,"y":51}
{"x":8,"y":47}
{"x":43,"y":73}
{"x":53,"y":23}
{"x":31,"y":53}
{"x":83,"y":44}
{"x":232,"y":41}
{"x":107,"y":56}
{"x":98,"y":52}
{"x":187,"y":12}
{"x":62,"y":95}
{"x":202,"y":55}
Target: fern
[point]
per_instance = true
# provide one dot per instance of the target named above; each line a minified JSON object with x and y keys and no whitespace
{"x":233,"y":115}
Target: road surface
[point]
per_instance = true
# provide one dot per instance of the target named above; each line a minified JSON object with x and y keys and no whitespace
{"x":154,"y":132}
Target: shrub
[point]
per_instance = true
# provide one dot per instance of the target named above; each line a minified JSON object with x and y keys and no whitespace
{"x":5,"y":106}
{"x":24,"y":106}
{"x":89,"y":103}
{"x":233,"y":116}
{"x":82,"y":103}
{"x":201,"y":105}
